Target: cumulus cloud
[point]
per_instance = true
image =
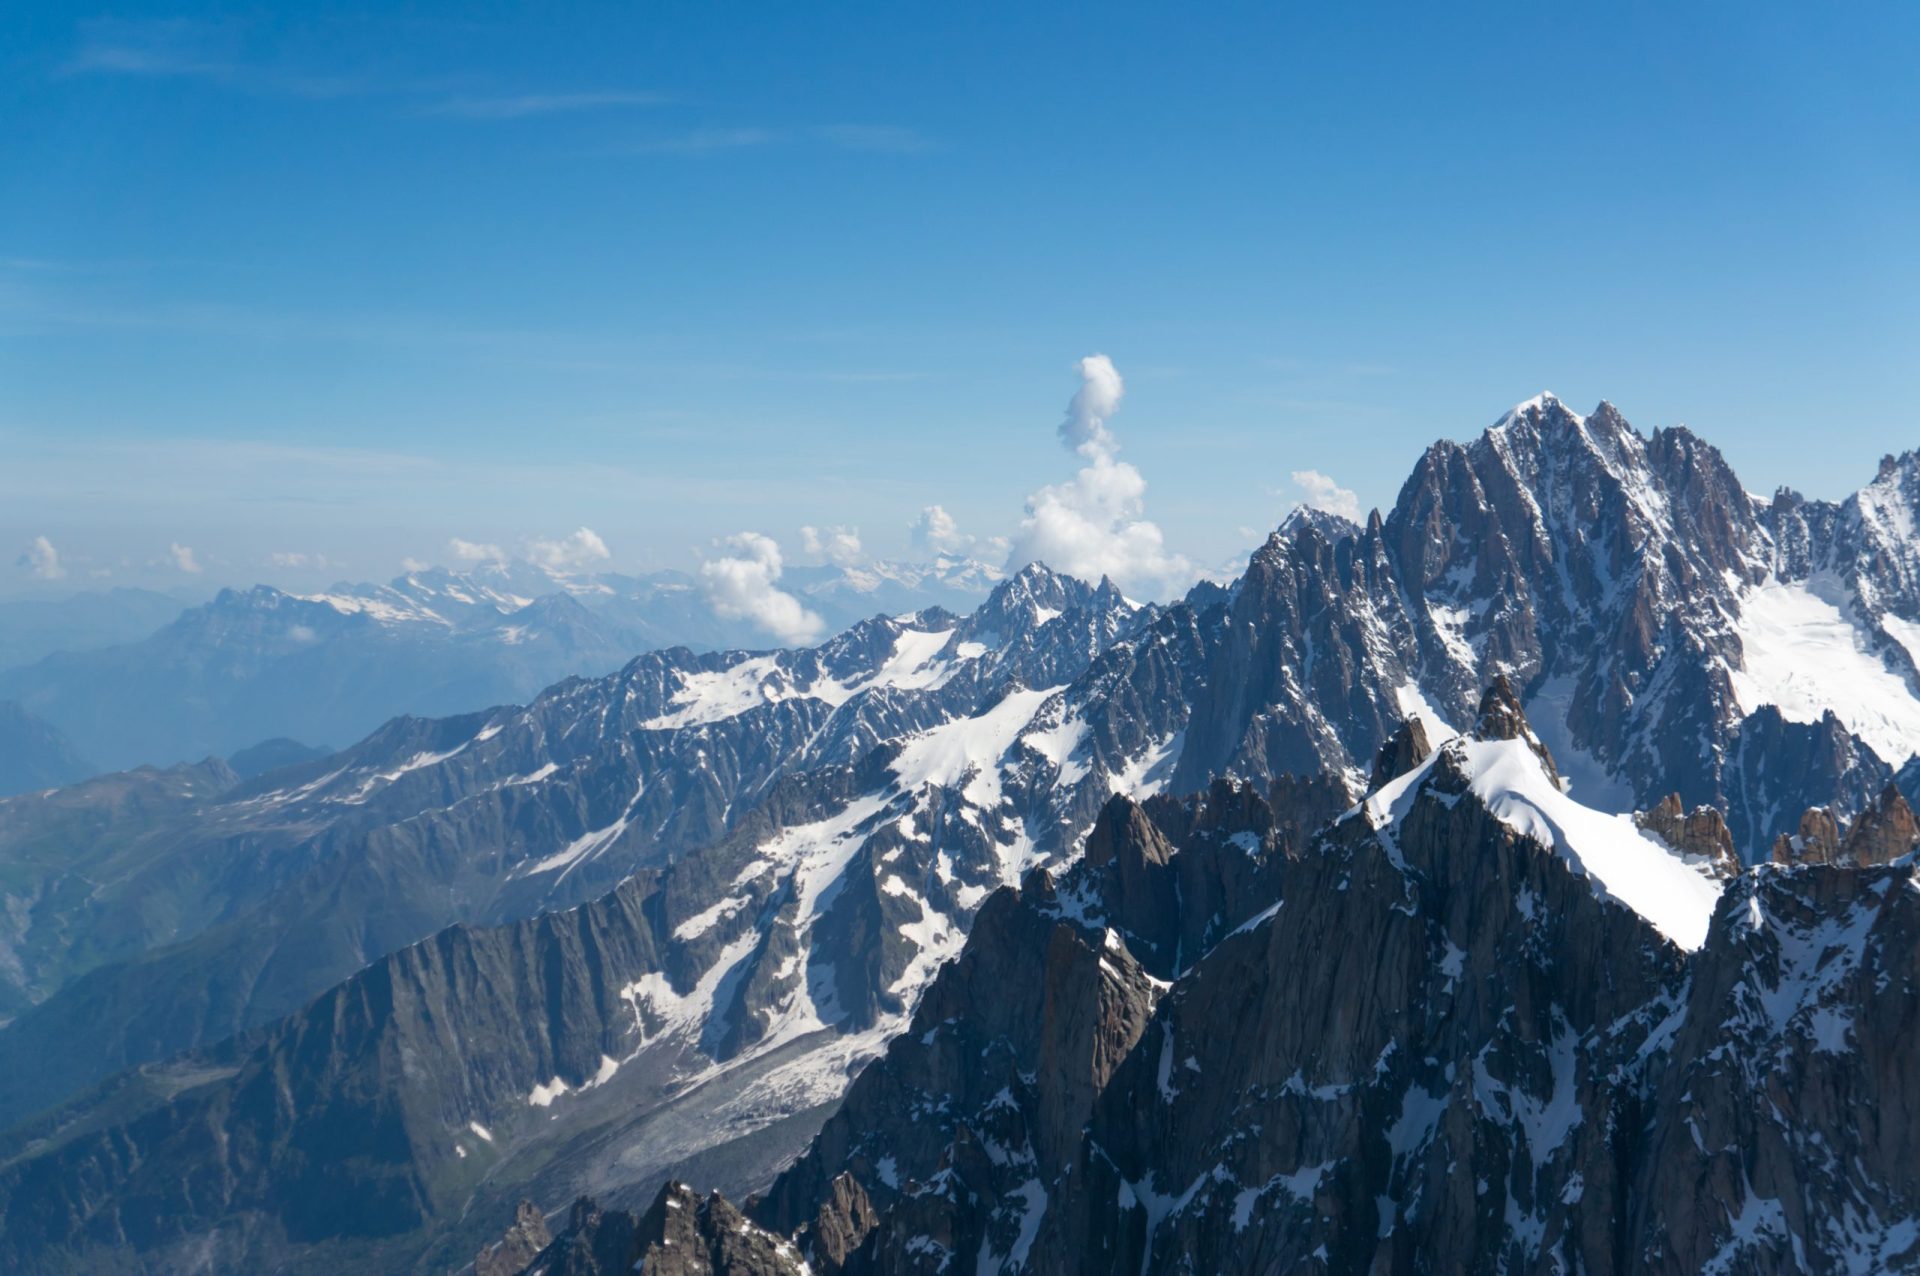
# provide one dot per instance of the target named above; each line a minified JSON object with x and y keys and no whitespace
{"x":299,"y":560}
{"x":411,"y":564}
{"x":182,"y":558}
{"x":43,"y":560}
{"x":475,"y":551}
{"x":572,"y":553}
{"x":1319,"y":491}
{"x":1098,"y":398}
{"x":838,"y":545}
{"x":1092,"y":525}
{"x":579,"y":551}
{"x":936,"y":532}
{"x":741,"y":585}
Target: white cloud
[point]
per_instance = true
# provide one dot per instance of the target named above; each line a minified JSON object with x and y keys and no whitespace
{"x":1319,"y":491}
{"x":518,"y":106}
{"x":1091,"y":526}
{"x":475,"y":551}
{"x":570,"y":553}
{"x":298,"y":560}
{"x":838,"y":545}
{"x":1085,"y":427}
{"x":936,"y":532}
{"x":182,"y":558}
{"x":703,"y":141}
{"x":43,"y":560}
{"x":740,"y":586}
{"x":411,"y":565}
{"x":890,"y":139}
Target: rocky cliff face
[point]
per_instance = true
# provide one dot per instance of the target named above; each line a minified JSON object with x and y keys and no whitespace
{"x":1666,"y":632}
{"x":510,"y":1255}
{"x":1463,"y":1035}
{"x":764,"y":968}
{"x":705,"y":890}
{"x":222,"y":914}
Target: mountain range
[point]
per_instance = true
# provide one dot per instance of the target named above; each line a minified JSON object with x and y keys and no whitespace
{"x":1540,"y":820}
{"x":262,"y":663}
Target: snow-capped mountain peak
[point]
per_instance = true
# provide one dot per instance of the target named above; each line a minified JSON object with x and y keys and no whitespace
{"x":1510,"y":772}
{"x":1544,"y":406}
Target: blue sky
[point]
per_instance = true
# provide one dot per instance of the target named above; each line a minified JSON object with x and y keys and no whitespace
{"x":351,"y":284}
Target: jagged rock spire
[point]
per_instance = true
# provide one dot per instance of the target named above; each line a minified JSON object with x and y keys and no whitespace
{"x":1883,"y":832}
{"x":1502,"y":718}
{"x":1702,"y":831}
{"x":1404,"y":750}
{"x":513,"y":1252}
{"x":844,"y":1220}
{"x":684,"y":1235}
{"x":1122,"y":831}
{"x":1816,"y":842}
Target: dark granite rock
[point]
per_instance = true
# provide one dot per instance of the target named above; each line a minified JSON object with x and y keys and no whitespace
{"x":523,"y":1242}
{"x":1404,"y":750}
{"x":1883,"y":832}
{"x":1700,"y":832}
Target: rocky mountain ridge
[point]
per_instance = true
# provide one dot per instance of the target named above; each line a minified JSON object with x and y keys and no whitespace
{"x":794,"y":845}
{"x":593,"y":781}
{"x":263,"y":662}
{"x":1402,"y":1062}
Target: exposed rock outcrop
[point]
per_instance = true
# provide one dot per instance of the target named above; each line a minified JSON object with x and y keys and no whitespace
{"x":519,"y":1247}
{"x":1817,"y":841}
{"x":685,"y":1235}
{"x":845,"y":1219}
{"x":1501,"y":718}
{"x":595,"y":1242}
{"x":1404,"y":750}
{"x":1406,"y":1063}
{"x":1883,"y":832}
{"x":1700,"y":832}
{"x":814,"y":831}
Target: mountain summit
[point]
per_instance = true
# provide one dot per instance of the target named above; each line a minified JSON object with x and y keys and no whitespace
{"x":1258,"y":963}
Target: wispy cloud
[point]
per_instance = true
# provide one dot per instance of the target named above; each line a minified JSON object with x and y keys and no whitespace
{"x":523,"y":105}
{"x":185,"y":49}
{"x":703,"y":141}
{"x":299,"y":560}
{"x":170,"y":47}
{"x":889,"y":138}
{"x":886,"y":139}
{"x":179,"y":48}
